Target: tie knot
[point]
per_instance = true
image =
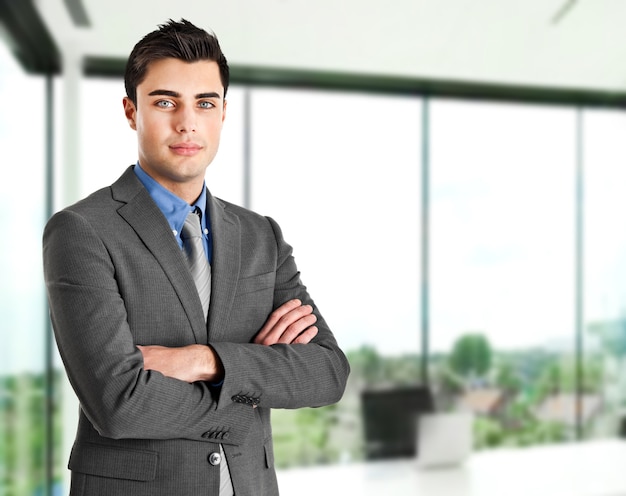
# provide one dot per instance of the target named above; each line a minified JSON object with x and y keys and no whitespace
{"x":191,"y":227}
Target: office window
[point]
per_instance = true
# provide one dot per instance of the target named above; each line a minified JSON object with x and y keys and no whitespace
{"x":605,"y":274}
{"x":340,"y":173}
{"x":502,"y":273}
{"x":22,"y":296}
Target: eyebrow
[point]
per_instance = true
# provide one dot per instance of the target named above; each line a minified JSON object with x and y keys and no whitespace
{"x":176,"y":94}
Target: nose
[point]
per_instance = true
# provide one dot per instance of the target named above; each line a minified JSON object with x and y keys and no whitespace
{"x":186,"y":122}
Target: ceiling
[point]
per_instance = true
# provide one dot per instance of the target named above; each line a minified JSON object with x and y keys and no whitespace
{"x":548,"y":44}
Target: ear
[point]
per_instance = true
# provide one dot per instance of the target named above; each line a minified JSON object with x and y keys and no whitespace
{"x":131,"y":112}
{"x":224,"y":111}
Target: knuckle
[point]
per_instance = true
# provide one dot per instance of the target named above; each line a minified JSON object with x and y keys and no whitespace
{"x":286,"y":320}
{"x":305,"y":309}
{"x":292,"y":331}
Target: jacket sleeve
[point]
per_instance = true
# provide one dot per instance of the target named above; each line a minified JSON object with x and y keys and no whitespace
{"x":285,"y":376}
{"x":104,"y":366}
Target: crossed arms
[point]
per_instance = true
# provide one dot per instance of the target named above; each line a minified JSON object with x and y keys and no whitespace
{"x":99,"y":288}
{"x":291,"y":323}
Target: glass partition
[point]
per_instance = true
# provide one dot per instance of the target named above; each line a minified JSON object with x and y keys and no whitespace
{"x":604,"y":410}
{"x":22,"y":298}
{"x":502,"y":273}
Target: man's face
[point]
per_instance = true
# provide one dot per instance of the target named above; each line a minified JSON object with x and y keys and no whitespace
{"x":178,"y":118}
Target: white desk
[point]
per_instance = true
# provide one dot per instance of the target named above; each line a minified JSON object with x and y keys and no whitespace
{"x":591,"y":468}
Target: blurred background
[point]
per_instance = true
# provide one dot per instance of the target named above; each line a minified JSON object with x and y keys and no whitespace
{"x":467,"y":156}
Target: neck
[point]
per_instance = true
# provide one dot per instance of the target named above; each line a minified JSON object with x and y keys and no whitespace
{"x":188,"y":192}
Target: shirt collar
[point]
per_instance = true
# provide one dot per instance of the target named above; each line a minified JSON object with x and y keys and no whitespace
{"x":174,"y":209}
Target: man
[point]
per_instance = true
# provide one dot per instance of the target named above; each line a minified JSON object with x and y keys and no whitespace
{"x":175,"y":384}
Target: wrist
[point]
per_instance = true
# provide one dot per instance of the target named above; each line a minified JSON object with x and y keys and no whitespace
{"x":212,"y":367}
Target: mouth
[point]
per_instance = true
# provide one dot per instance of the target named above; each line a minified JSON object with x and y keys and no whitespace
{"x":186,"y":149}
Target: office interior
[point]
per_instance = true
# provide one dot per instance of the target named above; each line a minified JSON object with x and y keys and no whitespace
{"x":466,"y":157}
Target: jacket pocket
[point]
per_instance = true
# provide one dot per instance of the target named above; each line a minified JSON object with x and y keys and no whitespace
{"x":256,"y":283}
{"x":113,"y":462}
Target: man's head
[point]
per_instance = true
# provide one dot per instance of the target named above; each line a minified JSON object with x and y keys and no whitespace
{"x":179,"y":40}
{"x":176,"y":80}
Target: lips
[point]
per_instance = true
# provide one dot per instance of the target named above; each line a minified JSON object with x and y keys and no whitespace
{"x":187,"y":148}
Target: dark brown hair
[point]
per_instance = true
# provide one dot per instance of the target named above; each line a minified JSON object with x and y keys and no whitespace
{"x":180,"y":40}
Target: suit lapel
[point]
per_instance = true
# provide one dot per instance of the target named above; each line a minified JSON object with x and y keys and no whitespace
{"x":225,"y":267}
{"x":144,"y":216}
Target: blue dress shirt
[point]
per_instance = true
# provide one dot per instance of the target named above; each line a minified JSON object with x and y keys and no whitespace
{"x":176,"y":209}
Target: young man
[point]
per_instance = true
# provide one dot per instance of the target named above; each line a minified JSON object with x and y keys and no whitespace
{"x":176,"y":371}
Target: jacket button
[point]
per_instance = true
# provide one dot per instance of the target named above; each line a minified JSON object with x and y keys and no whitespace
{"x":215,"y":459}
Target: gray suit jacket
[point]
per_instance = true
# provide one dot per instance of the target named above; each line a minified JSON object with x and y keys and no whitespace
{"x":116,"y":278}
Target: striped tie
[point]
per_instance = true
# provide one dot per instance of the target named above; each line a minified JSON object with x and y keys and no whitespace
{"x":191,"y":234}
{"x":193,"y":246}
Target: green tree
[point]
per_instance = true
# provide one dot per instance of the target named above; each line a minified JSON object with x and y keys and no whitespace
{"x":471,"y":355}
{"x":549,"y":382}
{"x":507,"y":379}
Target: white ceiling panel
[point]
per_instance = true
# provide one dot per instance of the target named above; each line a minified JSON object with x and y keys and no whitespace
{"x":542,"y":43}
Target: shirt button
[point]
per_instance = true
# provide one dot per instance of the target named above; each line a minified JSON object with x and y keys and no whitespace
{"x":215,"y":459}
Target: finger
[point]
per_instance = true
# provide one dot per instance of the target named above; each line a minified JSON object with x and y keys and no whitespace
{"x":280,"y":319}
{"x":290,"y":324}
{"x":292,"y":331}
{"x":275,"y":316}
{"x":306,"y":336}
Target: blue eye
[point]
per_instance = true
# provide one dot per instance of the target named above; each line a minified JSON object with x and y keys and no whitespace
{"x":164,"y":104}
{"x":205,"y":105}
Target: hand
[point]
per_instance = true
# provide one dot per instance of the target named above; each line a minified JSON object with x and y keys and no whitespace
{"x":290,"y":323}
{"x":190,"y":363}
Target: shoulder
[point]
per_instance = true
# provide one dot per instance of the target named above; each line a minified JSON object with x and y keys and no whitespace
{"x":244,"y":215}
{"x":89,"y":210}
{"x":251,"y":223}
{"x":238,"y":210}
{"x":99,"y":205}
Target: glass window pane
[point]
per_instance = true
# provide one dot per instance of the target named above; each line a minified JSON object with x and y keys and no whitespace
{"x":503,"y":267}
{"x":107,"y":144}
{"x":22,"y":296}
{"x":605,"y":273}
{"x":340,"y":172}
